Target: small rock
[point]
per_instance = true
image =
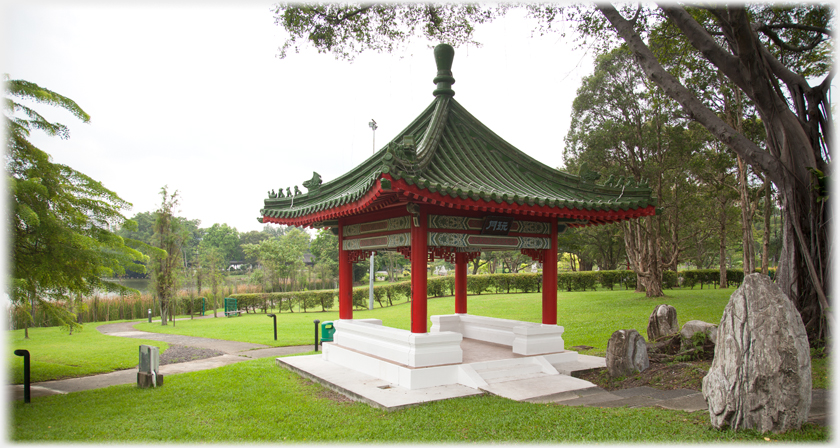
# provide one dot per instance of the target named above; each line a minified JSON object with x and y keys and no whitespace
{"x":761,"y":375}
{"x":698,"y":326}
{"x":582,"y":347}
{"x":662,"y":322}
{"x":626,"y":353}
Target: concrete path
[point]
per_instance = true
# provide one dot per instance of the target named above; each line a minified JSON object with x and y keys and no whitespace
{"x":678,"y":399}
{"x":126,"y":330}
{"x":233,"y":352}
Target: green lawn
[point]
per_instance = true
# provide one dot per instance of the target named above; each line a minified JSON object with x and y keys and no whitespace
{"x":55,"y":354}
{"x":254,"y":401}
{"x":589,"y":318}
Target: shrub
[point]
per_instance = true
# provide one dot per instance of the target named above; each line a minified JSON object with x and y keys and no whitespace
{"x":438,"y":286}
{"x":670,"y":279}
{"x":565,"y":280}
{"x":396,"y":290}
{"x":586,"y":279}
{"x":477,"y":284}
{"x":526,"y":282}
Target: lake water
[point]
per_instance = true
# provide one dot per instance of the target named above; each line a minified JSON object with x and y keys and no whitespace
{"x":144,"y":285}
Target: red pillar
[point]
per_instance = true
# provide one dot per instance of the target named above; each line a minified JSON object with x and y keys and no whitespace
{"x":549,"y":286}
{"x":345,"y":278}
{"x":419,"y":258}
{"x":461,"y":283}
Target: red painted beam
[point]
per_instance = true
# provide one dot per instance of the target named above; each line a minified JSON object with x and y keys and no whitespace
{"x":345,"y":278}
{"x":419,"y":242}
{"x":549,"y":286}
{"x":461,"y":283}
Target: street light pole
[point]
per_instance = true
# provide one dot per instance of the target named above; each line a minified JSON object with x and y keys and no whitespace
{"x":373,"y":127}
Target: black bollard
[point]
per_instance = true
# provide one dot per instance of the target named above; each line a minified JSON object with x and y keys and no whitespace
{"x":25,"y":354}
{"x":275,"y":325}
{"x":316,"y":333}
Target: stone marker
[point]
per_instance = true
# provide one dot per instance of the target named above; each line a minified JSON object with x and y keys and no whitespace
{"x":662,"y":322}
{"x":761,"y":376}
{"x":697,"y":326}
{"x":149,"y":368}
{"x":626,"y":353}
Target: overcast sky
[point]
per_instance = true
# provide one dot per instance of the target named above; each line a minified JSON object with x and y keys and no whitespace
{"x":194,"y":97}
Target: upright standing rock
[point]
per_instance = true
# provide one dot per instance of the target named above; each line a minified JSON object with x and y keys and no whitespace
{"x":662,"y":322}
{"x":626,"y":353}
{"x":148,"y":374}
{"x":761,"y":376}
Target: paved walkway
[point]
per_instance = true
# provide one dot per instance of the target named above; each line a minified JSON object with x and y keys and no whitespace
{"x":678,"y":399}
{"x":233,"y":352}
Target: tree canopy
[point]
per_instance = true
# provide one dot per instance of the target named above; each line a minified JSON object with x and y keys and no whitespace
{"x":346,"y":29}
{"x":771,"y":53}
{"x":61,"y":219}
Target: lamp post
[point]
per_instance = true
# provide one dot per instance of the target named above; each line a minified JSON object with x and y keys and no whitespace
{"x":373,"y":127}
{"x":275,"y":324}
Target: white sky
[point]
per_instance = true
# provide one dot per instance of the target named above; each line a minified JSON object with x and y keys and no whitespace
{"x":194,"y":97}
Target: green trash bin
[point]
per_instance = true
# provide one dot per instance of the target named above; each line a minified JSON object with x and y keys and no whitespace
{"x":327,"y":331}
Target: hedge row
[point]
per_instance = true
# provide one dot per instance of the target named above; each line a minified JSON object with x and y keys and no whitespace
{"x":734,"y":277}
{"x":477,"y":284}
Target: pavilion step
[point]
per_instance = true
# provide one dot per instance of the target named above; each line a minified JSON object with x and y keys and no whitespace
{"x":513,"y":369}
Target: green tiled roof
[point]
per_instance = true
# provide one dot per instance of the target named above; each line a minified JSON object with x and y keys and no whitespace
{"x":447,"y":151}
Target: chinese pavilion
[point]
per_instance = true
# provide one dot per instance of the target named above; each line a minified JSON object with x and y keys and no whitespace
{"x":447,"y":187}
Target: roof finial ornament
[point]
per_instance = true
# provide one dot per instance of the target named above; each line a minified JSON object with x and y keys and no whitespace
{"x":444,"y":54}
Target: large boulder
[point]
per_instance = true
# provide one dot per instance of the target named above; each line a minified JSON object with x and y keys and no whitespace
{"x":761,"y":375}
{"x":697,"y":326}
{"x":662,"y":322}
{"x":626,"y":353}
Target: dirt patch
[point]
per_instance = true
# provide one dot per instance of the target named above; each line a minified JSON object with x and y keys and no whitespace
{"x":329,"y":394}
{"x":182,"y":353}
{"x":664,"y":376}
{"x":322,"y":391}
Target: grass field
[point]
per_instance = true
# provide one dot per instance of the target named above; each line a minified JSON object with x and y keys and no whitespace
{"x":589,"y":318}
{"x":55,"y":354}
{"x":255,"y":401}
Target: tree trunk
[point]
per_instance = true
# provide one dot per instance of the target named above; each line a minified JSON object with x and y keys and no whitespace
{"x":722,"y":230}
{"x":215,"y":300}
{"x":765,"y":250}
{"x":163,"y":304}
{"x":476,"y":262}
{"x":653,"y":282}
{"x":746,"y":219}
{"x":795,"y":142}
{"x":642,"y":248}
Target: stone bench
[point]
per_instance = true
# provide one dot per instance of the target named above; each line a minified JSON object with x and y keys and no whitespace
{"x":401,"y":346}
{"x":525,"y":338}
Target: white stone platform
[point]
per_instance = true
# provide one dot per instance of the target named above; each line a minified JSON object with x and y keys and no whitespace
{"x":485,"y":368}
